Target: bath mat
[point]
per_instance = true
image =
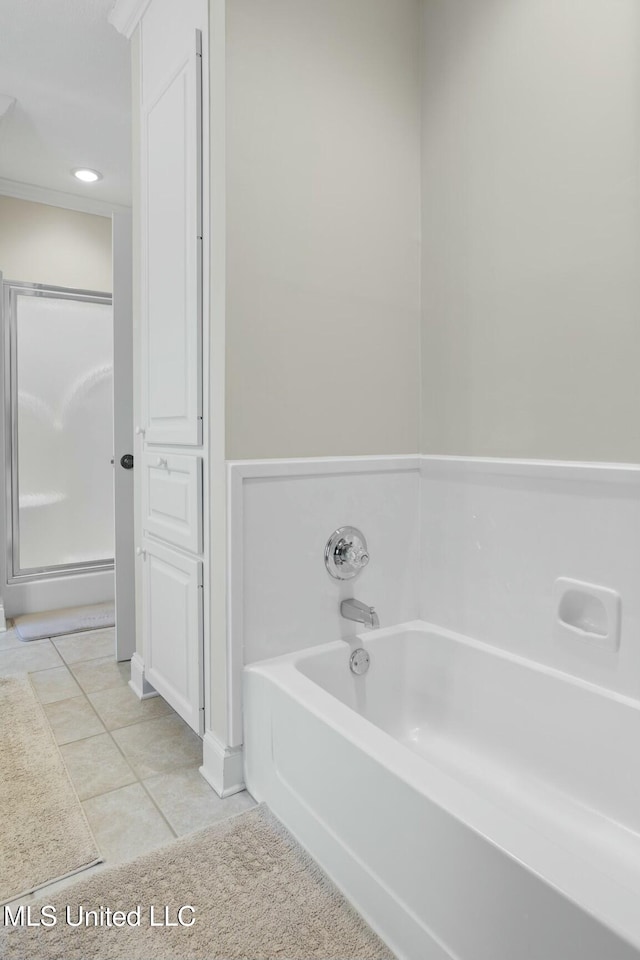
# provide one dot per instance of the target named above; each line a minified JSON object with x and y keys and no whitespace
{"x":57,"y":623}
{"x":44,"y":834}
{"x":256,"y":895}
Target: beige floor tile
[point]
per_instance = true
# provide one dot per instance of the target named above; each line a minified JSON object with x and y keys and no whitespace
{"x":54,"y":684}
{"x":94,"y":675}
{"x":9,"y":638}
{"x":119,"y":707}
{"x":37,"y":655}
{"x":86,"y":646}
{"x":126,"y":824}
{"x":159,"y":746}
{"x":72,"y":719}
{"x":189,"y":803}
{"x":96,"y":766}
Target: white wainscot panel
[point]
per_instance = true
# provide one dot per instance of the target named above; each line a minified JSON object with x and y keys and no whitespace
{"x":282,"y":598}
{"x":498,"y":534}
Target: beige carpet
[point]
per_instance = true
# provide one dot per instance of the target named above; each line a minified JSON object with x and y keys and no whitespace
{"x":257,"y":895}
{"x":44,"y":834}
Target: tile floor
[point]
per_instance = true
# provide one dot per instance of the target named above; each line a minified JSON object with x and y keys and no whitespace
{"x":134,"y":763}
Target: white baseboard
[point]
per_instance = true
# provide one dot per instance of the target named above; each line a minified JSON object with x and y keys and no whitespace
{"x":55,"y":593}
{"x":141,"y":687}
{"x":222,"y":767}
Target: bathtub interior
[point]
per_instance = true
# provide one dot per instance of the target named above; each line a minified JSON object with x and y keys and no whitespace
{"x":385,"y":695}
{"x":535,"y":742}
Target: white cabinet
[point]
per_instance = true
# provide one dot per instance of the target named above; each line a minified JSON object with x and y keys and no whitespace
{"x":171,"y":213}
{"x":172,"y":499}
{"x":172,"y":454}
{"x":172,"y":600}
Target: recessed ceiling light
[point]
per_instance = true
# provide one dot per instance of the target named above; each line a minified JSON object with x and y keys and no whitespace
{"x":86,"y":175}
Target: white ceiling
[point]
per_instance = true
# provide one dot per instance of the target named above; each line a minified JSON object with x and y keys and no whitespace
{"x":69,"y":71}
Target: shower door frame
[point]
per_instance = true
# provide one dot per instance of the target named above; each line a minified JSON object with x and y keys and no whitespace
{"x":12,"y":289}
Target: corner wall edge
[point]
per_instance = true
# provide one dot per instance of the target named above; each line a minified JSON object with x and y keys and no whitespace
{"x":126,"y":15}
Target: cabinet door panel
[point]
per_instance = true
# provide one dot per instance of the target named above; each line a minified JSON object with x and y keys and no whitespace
{"x":172,"y":268}
{"x":173,"y":499}
{"x":173,"y":629}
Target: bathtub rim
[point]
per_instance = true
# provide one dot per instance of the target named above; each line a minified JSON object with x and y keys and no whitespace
{"x":423,"y":626}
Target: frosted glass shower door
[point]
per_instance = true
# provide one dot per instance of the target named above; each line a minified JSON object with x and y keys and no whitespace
{"x":62,"y":430}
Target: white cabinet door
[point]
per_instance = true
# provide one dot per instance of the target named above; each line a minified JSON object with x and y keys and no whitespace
{"x":172,"y":497}
{"x":172,"y":256}
{"x":173,"y":654}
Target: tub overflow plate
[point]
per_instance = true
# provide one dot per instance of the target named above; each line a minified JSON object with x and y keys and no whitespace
{"x":359,"y":661}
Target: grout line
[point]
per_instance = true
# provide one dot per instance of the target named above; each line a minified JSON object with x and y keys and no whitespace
{"x":47,"y":669}
{"x":136,"y":723}
{"x":163,"y":716}
{"x":107,"y":657}
{"x":160,"y":811}
{"x":75,"y":663}
{"x":101,"y":690}
{"x":105,"y":793}
{"x":80,"y":739}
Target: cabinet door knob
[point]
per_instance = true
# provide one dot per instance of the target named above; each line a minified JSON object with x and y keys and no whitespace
{"x":141,"y":553}
{"x":162,"y":462}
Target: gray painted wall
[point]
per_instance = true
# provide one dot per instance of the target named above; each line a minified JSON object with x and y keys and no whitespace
{"x":323,"y":223}
{"x":531,"y":229}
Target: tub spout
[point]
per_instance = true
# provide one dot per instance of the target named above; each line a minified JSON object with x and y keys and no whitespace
{"x":359,"y":612}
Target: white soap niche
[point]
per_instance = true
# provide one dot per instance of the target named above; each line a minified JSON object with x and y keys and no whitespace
{"x":588,"y":612}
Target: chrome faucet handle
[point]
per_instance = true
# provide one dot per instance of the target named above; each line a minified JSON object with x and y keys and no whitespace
{"x":350,"y":554}
{"x":346,"y":553}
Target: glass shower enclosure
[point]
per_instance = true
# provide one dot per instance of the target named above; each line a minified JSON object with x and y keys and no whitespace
{"x":58,"y":430}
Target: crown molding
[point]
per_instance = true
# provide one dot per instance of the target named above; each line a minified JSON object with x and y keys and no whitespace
{"x":58,"y":198}
{"x":126,"y":15}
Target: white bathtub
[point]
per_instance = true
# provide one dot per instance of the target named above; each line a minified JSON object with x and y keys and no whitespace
{"x":470,"y":803}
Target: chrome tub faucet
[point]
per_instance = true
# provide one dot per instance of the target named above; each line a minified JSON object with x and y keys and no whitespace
{"x":359,"y":612}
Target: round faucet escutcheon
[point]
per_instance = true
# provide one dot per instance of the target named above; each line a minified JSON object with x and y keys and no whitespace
{"x":346,"y":553}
